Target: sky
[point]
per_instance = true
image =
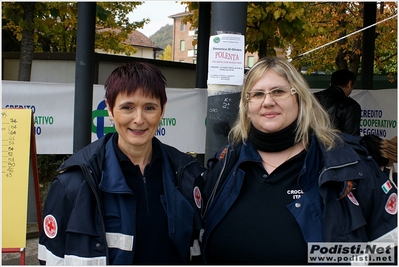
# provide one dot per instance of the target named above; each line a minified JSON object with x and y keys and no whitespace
{"x":157,"y":12}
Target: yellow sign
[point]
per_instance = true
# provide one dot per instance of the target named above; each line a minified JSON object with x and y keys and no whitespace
{"x":16,"y":144}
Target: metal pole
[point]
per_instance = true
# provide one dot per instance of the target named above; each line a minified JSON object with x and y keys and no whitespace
{"x":84,"y":75}
{"x":223,"y":100}
{"x":368,"y":46}
{"x":204,"y":31}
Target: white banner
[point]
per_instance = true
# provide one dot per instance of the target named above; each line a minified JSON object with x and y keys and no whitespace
{"x":184,"y":122}
{"x":183,"y":125}
{"x":379,"y":111}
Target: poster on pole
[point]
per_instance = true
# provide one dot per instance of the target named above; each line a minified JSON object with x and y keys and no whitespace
{"x":226,"y":59}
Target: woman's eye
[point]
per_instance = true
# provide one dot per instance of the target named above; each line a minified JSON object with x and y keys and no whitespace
{"x":277,"y":92}
{"x":259,"y":94}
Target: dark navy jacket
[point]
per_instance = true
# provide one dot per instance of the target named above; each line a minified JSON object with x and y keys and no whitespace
{"x":343,"y":199}
{"x":91,"y":187}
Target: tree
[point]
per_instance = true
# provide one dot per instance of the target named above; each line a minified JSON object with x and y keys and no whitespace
{"x":332,"y":21}
{"x":298,"y":28}
{"x":273,"y":25}
{"x":335,"y":40}
{"x":52,"y":27}
{"x":27,"y":44}
{"x":163,"y":37}
{"x":167,"y":54}
{"x":386,"y":58}
{"x":23,"y":12}
{"x":270,"y":25}
{"x":9,"y":42}
{"x":111,"y":16}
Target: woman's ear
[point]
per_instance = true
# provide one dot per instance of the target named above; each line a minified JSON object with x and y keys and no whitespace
{"x":163,"y":111}
{"x":109,"y":109}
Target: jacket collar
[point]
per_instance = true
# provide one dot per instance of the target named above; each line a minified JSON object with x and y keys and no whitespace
{"x":338,"y":89}
{"x":112,"y":178}
{"x":325,"y":168}
{"x":86,"y":154}
{"x":248,"y":153}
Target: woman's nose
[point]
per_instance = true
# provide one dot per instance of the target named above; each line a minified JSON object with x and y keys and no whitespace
{"x":138,"y":117}
{"x":268,"y":100}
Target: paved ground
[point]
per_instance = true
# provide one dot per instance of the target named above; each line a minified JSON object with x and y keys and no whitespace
{"x":30,"y":250}
{"x":30,"y":254}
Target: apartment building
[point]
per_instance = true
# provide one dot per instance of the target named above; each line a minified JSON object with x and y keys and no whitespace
{"x":183,"y":36}
{"x":183,"y":49}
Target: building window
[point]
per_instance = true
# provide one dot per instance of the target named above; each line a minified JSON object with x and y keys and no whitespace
{"x":251,"y":61}
{"x":182,"y":45}
{"x":195,"y":49}
{"x":182,"y":26}
{"x":194,"y":60}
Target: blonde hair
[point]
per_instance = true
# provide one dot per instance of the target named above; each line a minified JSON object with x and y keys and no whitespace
{"x":312,"y":118}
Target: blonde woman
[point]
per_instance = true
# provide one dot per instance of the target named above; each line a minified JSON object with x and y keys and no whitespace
{"x":288,"y":178}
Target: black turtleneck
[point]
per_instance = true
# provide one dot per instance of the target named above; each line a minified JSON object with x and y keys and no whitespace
{"x":273,"y":142}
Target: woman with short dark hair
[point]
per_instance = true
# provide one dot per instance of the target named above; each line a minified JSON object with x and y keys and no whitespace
{"x":127,"y":198}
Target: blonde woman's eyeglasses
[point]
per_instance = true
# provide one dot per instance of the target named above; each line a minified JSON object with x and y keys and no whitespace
{"x":277,"y":94}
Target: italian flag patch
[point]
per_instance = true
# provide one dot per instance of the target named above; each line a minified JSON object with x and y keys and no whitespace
{"x":386,"y":187}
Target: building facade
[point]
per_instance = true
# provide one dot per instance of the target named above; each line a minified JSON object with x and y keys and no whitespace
{"x":183,"y":49}
{"x":183,"y":37}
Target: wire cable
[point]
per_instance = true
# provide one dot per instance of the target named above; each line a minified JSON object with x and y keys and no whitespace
{"x":339,"y":39}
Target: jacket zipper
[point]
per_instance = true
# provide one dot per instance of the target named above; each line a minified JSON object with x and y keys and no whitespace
{"x":202,"y":232}
{"x":212,"y":196}
{"x":335,"y":167}
{"x":87,"y":174}
{"x":146,"y":195}
{"x":214,"y":193}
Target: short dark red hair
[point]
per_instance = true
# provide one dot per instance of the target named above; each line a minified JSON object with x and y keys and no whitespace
{"x":136,"y":76}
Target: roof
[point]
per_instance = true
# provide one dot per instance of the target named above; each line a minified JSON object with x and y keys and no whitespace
{"x":178,"y":15}
{"x":136,"y":38}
